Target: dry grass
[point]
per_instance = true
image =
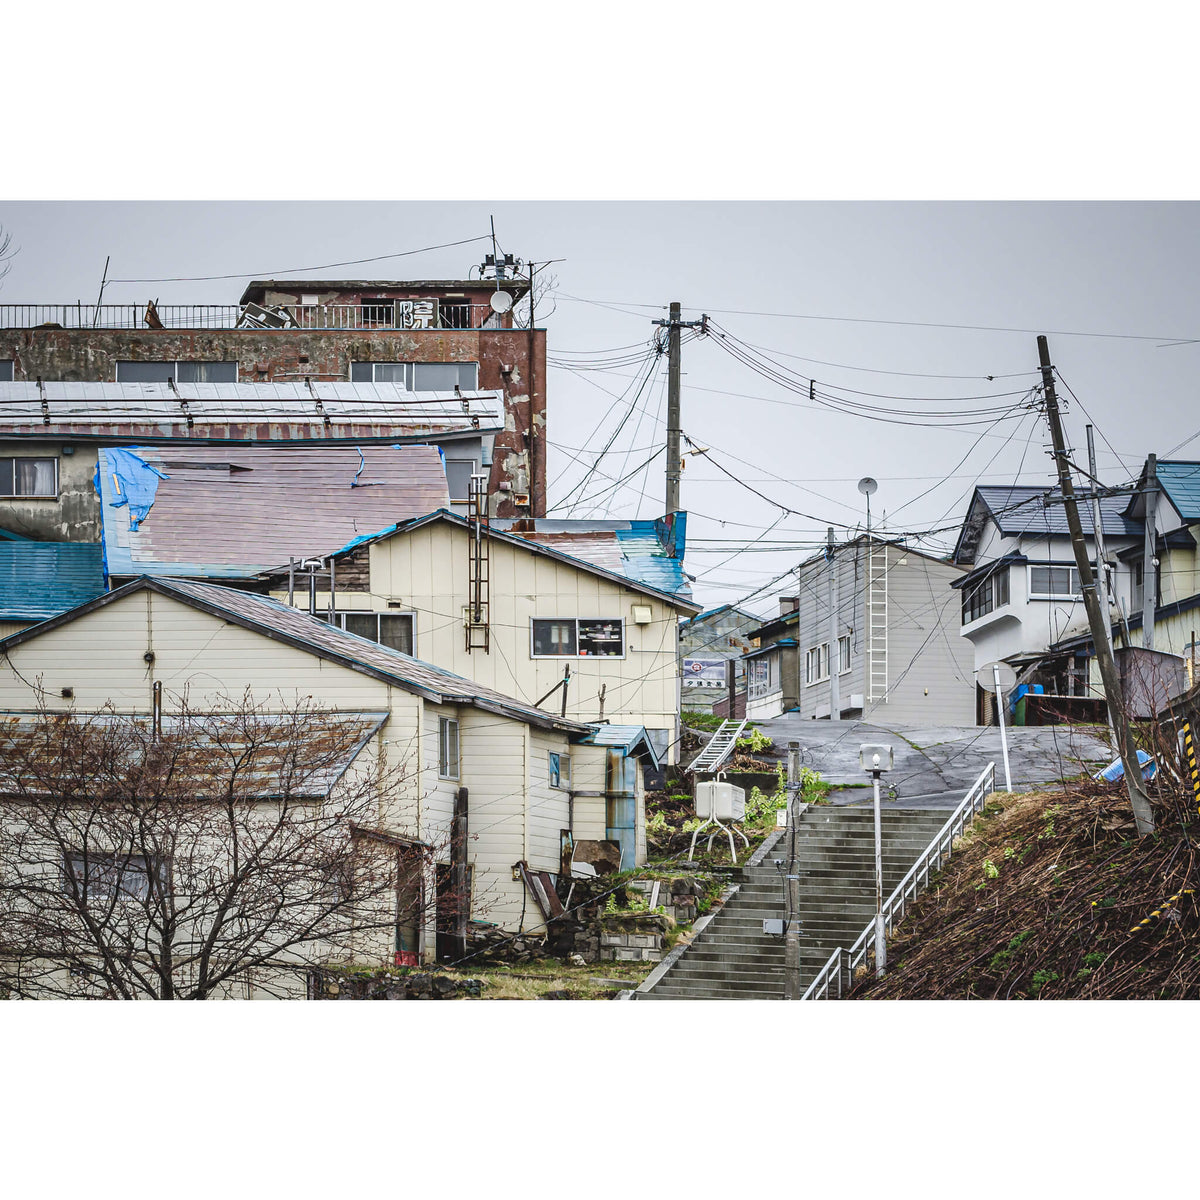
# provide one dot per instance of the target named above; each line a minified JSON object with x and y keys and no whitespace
{"x":1053,"y":896}
{"x":532,"y":980}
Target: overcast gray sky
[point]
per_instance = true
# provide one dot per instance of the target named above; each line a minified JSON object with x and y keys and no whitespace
{"x":1084,"y":273}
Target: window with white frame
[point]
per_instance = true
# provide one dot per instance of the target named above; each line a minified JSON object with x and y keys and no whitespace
{"x":984,"y":595}
{"x":1052,"y":581}
{"x":759,"y":676}
{"x":816,"y":663}
{"x":178,"y":371}
{"x":100,"y":875}
{"x":418,"y":376}
{"x":566,"y":637}
{"x":843,"y":654}
{"x":388,"y":629}
{"x":560,"y":770}
{"x":447,"y":748}
{"x":29,"y":477}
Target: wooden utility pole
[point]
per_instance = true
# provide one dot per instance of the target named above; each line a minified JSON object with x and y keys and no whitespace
{"x":674,"y":469}
{"x":1150,"y":554}
{"x":791,"y":929}
{"x":1101,"y":557}
{"x":1138,"y":799}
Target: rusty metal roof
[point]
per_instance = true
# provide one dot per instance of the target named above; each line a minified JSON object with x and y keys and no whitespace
{"x":331,"y":411}
{"x":232,"y":512}
{"x":203,"y":743}
{"x":293,"y":626}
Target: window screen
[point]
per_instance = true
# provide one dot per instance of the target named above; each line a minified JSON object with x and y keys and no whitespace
{"x":6,"y":370}
{"x":388,"y":629}
{"x":554,"y":639}
{"x":145,"y":372}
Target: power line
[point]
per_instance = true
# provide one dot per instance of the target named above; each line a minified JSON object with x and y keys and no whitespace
{"x":295,"y":270}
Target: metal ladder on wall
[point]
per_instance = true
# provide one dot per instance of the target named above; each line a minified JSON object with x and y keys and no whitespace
{"x":719,"y":747}
{"x":877,"y":622}
{"x":479,"y":588}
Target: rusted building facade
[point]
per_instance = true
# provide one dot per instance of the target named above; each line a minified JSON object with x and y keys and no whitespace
{"x":426,"y":336}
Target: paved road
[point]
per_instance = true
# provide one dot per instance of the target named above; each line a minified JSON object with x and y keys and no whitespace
{"x":935,"y":765}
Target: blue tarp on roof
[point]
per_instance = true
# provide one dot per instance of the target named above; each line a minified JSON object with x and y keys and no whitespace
{"x":1181,"y":482}
{"x":39,"y":580}
{"x":134,"y":482}
{"x":653,"y":553}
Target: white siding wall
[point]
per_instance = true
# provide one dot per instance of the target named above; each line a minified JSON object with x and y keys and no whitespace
{"x":425,"y":572}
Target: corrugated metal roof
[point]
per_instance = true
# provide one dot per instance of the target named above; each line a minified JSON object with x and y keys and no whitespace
{"x":295,"y":627}
{"x":630,"y":738}
{"x":635,"y":549}
{"x":242,"y":411}
{"x":230,"y":512}
{"x":42,"y":579}
{"x":342,"y":736}
{"x":1021,"y":509}
{"x":1181,"y":482}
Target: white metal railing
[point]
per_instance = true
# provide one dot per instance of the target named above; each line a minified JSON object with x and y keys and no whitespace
{"x":398,"y":314}
{"x":836,"y":977}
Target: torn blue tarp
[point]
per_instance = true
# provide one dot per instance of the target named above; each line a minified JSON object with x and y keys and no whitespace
{"x":1116,"y":769}
{"x":135,"y":482}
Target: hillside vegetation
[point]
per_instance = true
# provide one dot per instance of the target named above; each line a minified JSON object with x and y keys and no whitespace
{"x":1053,"y":896}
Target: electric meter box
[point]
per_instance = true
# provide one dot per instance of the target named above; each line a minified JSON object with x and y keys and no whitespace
{"x":874,"y":756}
{"x":721,"y":801}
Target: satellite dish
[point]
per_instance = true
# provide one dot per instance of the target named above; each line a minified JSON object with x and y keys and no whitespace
{"x":501,"y":302}
{"x":868,"y":486}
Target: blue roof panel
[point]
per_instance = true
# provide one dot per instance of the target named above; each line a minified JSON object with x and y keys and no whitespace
{"x":1181,"y":482}
{"x":39,"y":580}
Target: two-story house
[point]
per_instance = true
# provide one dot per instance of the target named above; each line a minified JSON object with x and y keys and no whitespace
{"x":874,"y":619}
{"x":1021,"y":600}
{"x":575,"y":617}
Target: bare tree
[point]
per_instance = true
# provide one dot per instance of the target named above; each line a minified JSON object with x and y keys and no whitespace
{"x":225,"y":852}
{"x":541,"y":300}
{"x":7,"y":251}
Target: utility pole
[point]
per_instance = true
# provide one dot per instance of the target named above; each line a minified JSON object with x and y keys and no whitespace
{"x":791,"y":927}
{"x":674,"y":469}
{"x":1138,"y":800}
{"x":1101,"y":557}
{"x":1150,"y":561}
{"x":835,"y":658}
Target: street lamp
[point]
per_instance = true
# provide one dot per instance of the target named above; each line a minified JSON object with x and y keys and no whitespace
{"x":875,"y":758}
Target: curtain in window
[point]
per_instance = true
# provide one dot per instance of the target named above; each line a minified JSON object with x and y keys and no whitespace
{"x":35,"y":477}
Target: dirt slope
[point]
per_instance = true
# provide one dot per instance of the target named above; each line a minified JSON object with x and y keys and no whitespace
{"x":1053,"y":896}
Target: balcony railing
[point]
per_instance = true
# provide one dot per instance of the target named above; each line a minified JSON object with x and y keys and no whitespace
{"x":400,"y":315}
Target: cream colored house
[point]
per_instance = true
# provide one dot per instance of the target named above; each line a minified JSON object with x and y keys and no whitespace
{"x":521,"y":614}
{"x":533,"y":781}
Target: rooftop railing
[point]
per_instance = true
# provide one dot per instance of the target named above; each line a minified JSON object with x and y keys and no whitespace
{"x":398,"y":315}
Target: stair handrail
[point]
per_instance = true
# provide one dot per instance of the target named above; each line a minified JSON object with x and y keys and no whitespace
{"x":838,"y":972}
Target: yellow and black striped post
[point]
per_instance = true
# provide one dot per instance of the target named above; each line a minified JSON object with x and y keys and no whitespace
{"x":1189,"y":750}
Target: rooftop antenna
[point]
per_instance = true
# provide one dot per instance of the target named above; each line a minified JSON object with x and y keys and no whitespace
{"x":868,"y":487}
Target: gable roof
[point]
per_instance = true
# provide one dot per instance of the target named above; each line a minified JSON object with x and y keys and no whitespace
{"x":614,"y":564}
{"x":1028,"y":508}
{"x":277,"y":621}
{"x":343,"y":734}
{"x":42,"y":579}
{"x":242,"y":412}
{"x":233,"y":512}
{"x":1180,"y":482}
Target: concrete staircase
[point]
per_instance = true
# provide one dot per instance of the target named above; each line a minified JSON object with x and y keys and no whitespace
{"x":732,"y":959}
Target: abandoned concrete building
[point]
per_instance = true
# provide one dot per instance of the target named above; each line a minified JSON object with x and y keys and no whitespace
{"x":429,"y":340}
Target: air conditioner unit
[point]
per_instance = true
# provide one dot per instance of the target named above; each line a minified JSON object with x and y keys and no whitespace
{"x":722,"y":801}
